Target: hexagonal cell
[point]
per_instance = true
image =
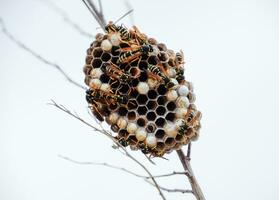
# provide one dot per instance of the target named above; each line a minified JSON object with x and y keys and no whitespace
{"x":113,"y":107}
{"x":150,"y":128}
{"x":160,"y":122}
{"x":171,"y":106}
{"x":88,"y":60}
{"x":152,"y":94}
{"x":104,"y":78}
{"x":135,"y":82}
{"x":132,"y":115}
{"x":160,"y":133}
{"x":124,"y":88}
{"x":151,"y":116}
{"x":143,"y":76}
{"x":114,"y":84}
{"x":105,"y":57}
{"x":162,"y":100}
{"x":97,"y":52}
{"x":114,"y":60}
{"x":141,"y":122}
{"x":162,"y":89}
{"x":151,"y":105}
{"x":132,"y":104}
{"x":143,"y":65}
{"x":170,"y":141}
{"x":179,"y":138}
{"x":142,"y":99}
{"x":162,"y":47}
{"x":142,"y":110}
{"x":132,"y":140}
{"x":160,"y":110}
{"x":135,"y":63}
{"x":134,"y":72}
{"x":122,"y":111}
{"x":96,"y":63}
{"x":152,"y":60}
{"x":160,"y":146}
{"x":163,"y":56}
{"x":170,"y":116}
{"x":122,"y":133}
{"x":114,"y":128}
{"x":87,"y":69}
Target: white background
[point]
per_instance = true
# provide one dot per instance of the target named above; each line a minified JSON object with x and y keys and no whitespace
{"x":231,"y":50}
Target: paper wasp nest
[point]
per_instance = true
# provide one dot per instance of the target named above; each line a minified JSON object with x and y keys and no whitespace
{"x":138,"y":87}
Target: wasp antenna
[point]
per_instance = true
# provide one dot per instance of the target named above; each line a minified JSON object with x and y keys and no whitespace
{"x":92,"y":9}
{"x":127,"y":13}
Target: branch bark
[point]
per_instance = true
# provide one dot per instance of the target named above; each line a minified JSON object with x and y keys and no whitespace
{"x":185,"y":161}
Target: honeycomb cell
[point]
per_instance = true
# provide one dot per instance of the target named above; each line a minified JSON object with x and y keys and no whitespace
{"x":122,"y":111}
{"x":134,"y":72}
{"x":96,"y":63}
{"x":160,"y":133}
{"x":162,"y":47}
{"x":88,"y":60}
{"x":160,"y":146}
{"x":151,"y":105}
{"x":161,"y":100}
{"x":132,"y":104}
{"x":179,"y":138}
{"x":152,"y":94}
{"x":114,"y":59}
{"x":132,"y":140}
{"x":150,"y":128}
{"x":143,"y":65}
{"x":97,"y":52}
{"x":160,"y":122}
{"x":162,"y":89}
{"x":105,"y":57}
{"x":142,"y":99}
{"x":142,"y":110}
{"x":113,"y":107}
{"x":170,"y":116}
{"x":170,"y":141}
{"x":160,"y":110}
{"x":135,"y":82}
{"x":123,"y":133}
{"x":152,"y":60}
{"x":124,"y":88}
{"x":171,"y":106}
{"x":131,"y":115}
{"x":143,"y":76}
{"x":151,"y":116}
{"x":114,"y":84}
{"x":141,"y":122}
{"x":87,"y":69}
{"x":104,"y":78}
{"x":114,"y":128}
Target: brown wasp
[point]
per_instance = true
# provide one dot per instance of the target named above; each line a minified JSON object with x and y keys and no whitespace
{"x":130,"y":55}
{"x":157,"y":71}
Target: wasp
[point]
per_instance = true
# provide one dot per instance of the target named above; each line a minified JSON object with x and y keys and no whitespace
{"x":180,"y":75}
{"x":123,"y":31}
{"x":144,"y":149}
{"x":158,"y":71}
{"x":113,"y":71}
{"x":192,"y":119}
{"x":131,"y":55}
{"x":140,"y":38}
{"x":94,"y":96}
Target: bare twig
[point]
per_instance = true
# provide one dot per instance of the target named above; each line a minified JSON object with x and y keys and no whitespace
{"x":132,"y":173}
{"x":67,"y":19}
{"x":36,"y":55}
{"x":105,"y":132}
{"x":171,"y":190}
{"x":191,"y":177}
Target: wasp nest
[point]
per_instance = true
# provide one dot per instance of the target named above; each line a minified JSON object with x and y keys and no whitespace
{"x":137,"y":86}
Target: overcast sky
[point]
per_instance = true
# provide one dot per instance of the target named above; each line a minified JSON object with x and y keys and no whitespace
{"x":231,"y":50}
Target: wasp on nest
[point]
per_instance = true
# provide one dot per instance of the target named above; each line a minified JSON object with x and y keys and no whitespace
{"x":137,"y":86}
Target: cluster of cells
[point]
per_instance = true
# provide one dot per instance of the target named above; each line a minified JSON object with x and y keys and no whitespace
{"x":137,"y":86}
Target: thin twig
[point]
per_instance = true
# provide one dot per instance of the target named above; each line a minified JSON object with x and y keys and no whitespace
{"x":36,"y":55}
{"x":66,"y":18}
{"x":131,"y":173}
{"x":171,"y":190}
{"x":191,"y":177}
{"x":105,"y":132}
